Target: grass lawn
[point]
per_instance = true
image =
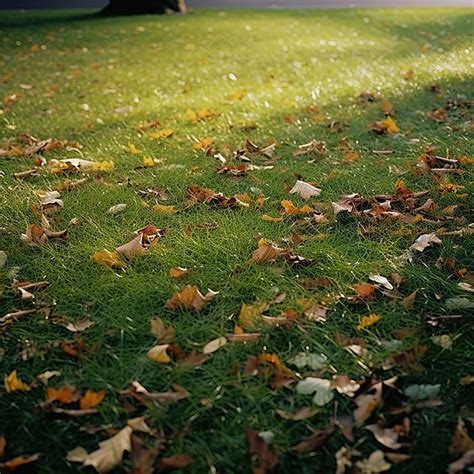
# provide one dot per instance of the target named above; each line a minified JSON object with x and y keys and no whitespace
{"x":136,"y":90}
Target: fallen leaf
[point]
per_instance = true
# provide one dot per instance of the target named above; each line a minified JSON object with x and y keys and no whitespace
{"x":12,"y":383}
{"x":305,"y":190}
{"x":158,"y":354}
{"x":374,"y":464}
{"x":110,"y":453}
{"x":321,"y":388}
{"x":190,"y":298}
{"x":424,"y":241}
{"x":109,"y":259}
{"x":19,"y":461}
{"x":91,"y":399}
{"x":250,"y":315}
{"x":65,"y":394}
{"x":264,"y":457}
{"x":266,"y":252}
{"x":386,"y":436}
{"x":381,"y":280}
{"x":302,"y":413}
{"x":177,"y":461}
{"x":117,"y":209}
{"x":368,"y":320}
{"x":214,"y":345}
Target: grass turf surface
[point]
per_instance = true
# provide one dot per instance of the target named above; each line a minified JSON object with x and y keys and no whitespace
{"x":162,"y":67}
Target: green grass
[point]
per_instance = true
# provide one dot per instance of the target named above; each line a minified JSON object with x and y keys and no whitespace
{"x":163,"y":66}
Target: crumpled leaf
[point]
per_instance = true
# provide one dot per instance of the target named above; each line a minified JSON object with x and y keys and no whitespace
{"x":214,"y":345}
{"x":110,"y":453}
{"x":12,"y":383}
{"x":158,"y":354}
{"x":381,"y":280}
{"x":38,"y":235}
{"x":267,"y":252}
{"x":109,"y":259}
{"x":190,"y":298}
{"x":250,"y":315}
{"x":424,"y":241}
{"x":374,"y":464}
{"x":386,"y":436}
{"x":305,"y":190}
{"x":367,"y":403}
{"x":344,"y":385}
{"x":321,"y":388}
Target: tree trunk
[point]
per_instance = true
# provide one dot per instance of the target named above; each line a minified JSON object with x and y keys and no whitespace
{"x":140,"y":7}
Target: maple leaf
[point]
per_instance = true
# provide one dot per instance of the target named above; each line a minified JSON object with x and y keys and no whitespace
{"x":305,"y":190}
{"x":12,"y":383}
{"x":190,"y":298}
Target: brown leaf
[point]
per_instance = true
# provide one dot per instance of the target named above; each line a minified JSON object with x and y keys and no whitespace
{"x":386,"y":436}
{"x":315,"y":441}
{"x":367,"y":403}
{"x":264,"y":457}
{"x":190,"y":298}
{"x":266,"y":252}
{"x":177,"y":461}
{"x":162,"y":333}
{"x":302,"y":413}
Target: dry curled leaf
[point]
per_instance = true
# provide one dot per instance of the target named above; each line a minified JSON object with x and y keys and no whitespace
{"x":190,"y":298}
{"x":305,"y":190}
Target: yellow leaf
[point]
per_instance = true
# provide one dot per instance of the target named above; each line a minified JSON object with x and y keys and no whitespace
{"x":133,"y":149}
{"x":368,"y":320}
{"x":191,"y":115}
{"x":163,"y":133}
{"x":13,"y":383}
{"x":391,"y":125}
{"x":237,"y":95}
{"x":110,"y":259}
{"x":203,"y":144}
{"x":158,"y":354}
{"x":267,"y":218}
{"x":164,"y":209}
{"x":149,"y":162}
{"x":251,"y":314}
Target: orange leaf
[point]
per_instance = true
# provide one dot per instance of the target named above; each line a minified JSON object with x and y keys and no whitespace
{"x":91,"y":399}
{"x":12,"y":383}
{"x":66,"y":394}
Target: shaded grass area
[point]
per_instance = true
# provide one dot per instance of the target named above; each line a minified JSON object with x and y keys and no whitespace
{"x":163,"y":66}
